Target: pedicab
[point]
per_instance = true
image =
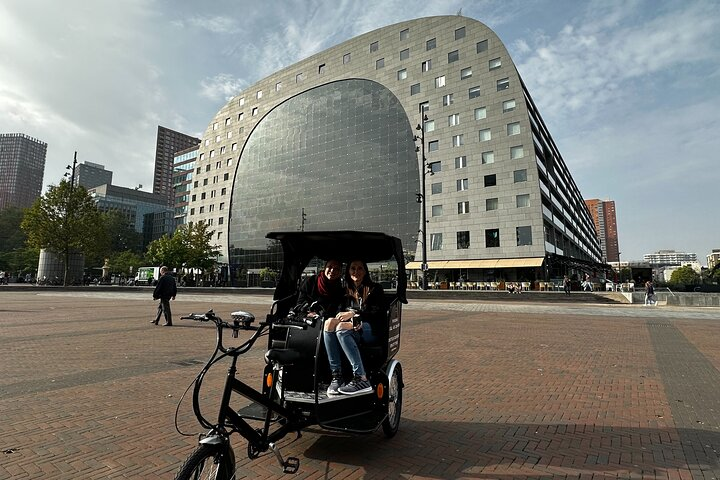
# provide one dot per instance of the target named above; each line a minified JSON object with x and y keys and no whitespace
{"x":293,"y":396}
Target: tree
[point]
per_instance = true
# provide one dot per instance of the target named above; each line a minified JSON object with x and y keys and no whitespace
{"x":14,"y":255}
{"x":190,"y":246}
{"x":64,"y":221}
{"x":125,"y":262}
{"x":684,"y":276}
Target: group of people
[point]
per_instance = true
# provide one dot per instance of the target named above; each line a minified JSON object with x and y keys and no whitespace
{"x":353,"y":307}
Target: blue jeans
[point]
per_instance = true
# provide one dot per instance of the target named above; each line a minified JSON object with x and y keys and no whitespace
{"x":347,"y":341}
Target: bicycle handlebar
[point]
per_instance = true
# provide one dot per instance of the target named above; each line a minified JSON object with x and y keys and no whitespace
{"x":237,"y":325}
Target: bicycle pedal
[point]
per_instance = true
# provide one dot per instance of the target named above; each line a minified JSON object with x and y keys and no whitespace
{"x":291,"y":465}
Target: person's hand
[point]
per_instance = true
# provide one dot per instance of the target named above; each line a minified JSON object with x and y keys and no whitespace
{"x":345,"y":316}
{"x":173,"y":298}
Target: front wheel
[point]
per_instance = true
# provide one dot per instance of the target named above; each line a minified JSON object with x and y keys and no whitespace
{"x":395,"y":387}
{"x":209,"y":462}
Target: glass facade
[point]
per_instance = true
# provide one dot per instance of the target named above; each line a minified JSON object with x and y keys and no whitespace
{"x":337,"y":157}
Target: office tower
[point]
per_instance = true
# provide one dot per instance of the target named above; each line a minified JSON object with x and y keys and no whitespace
{"x":90,"y":175}
{"x":22,"y":165}
{"x":603,"y":215}
{"x":169,"y":142}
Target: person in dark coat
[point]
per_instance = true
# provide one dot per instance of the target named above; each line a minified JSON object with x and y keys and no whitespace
{"x":165,"y":290}
{"x":325,"y":288}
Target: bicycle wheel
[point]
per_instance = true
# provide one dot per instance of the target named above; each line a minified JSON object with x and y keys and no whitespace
{"x":395,"y":387}
{"x":209,"y":462}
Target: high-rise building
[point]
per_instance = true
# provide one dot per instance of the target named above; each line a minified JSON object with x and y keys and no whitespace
{"x":669,"y":258}
{"x":713,"y":258}
{"x":603,"y":215}
{"x":184,"y":165}
{"x":22,"y":166}
{"x":169,"y":142}
{"x":90,"y":175}
{"x":343,"y":139}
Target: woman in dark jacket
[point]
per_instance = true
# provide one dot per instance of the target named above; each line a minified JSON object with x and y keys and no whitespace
{"x":364,"y":311}
{"x":324,"y":288}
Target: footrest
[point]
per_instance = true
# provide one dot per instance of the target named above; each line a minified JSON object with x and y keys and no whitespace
{"x":291,"y":465}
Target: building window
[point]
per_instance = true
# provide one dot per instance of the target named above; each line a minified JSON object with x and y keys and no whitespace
{"x":192,"y":211}
{"x":233,"y":147}
{"x":474,"y":92}
{"x":485,"y":135}
{"x":241,"y":102}
{"x":202,"y":210}
{"x":241,"y":115}
{"x":212,"y":194}
{"x":429,"y":126}
{"x":524,"y":235}
{"x":491,"y":204}
{"x":490,"y":180}
{"x":447,"y":99}
{"x":212,"y":153}
{"x":405,"y":54}
{"x":488,"y":158}
{"x":278,"y":86}
{"x":436,"y":188}
{"x":426,"y":66}
{"x":405,"y":34}
{"x":454,"y":119}
{"x":492,"y":238}
{"x":480,"y":113}
{"x":194,"y":196}
{"x":424,"y":107}
{"x":205,"y":181}
{"x":461,"y":161}
{"x":221,"y":220}
{"x":379,"y":63}
{"x":494,"y":64}
{"x":402,"y":74}
{"x":482,"y":46}
{"x":299,"y":77}
{"x":415,"y":89}
{"x":215,"y":126}
{"x":433,"y":146}
{"x":436,"y":241}
{"x":513,"y":128}
{"x":462,"y":184}
{"x":520,"y":176}
{"x":229,"y":135}
{"x":374,"y":47}
{"x":258,"y":95}
{"x":457,"y":140}
{"x":217,"y":139}
{"x":223,"y":191}
{"x":516,"y":152}
{"x":522,"y":200}
{"x":218,"y":164}
{"x":463,"y":240}
{"x":434,"y":167}
{"x":503,"y":84}
{"x":254,"y":111}
{"x":226,"y":177}
{"x":211,"y":208}
{"x":430,"y":44}
{"x":440,"y":81}
{"x":465,"y":73}
{"x":229,"y":162}
{"x":508,"y":105}
{"x":460,"y":33}
{"x":463,"y":208}
{"x":222,"y":149}
{"x":346,"y":58}
{"x":221,"y":206}
{"x":436,"y":210}
{"x":227,"y":121}
{"x":321,"y":69}
{"x":196,"y":184}
{"x":453,"y":56}
{"x":207,"y":167}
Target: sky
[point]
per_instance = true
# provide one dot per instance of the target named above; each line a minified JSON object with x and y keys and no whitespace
{"x":629,"y":89}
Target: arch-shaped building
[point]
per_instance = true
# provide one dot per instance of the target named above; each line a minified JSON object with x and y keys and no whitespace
{"x":330,"y":143}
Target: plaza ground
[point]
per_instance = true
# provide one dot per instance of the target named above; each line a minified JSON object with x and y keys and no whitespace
{"x":88,"y":389}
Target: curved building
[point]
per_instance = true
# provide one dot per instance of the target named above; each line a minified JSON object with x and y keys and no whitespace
{"x":335,"y":142}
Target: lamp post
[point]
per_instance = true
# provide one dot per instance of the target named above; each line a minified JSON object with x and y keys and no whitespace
{"x":421,"y":198}
{"x":68,"y":214}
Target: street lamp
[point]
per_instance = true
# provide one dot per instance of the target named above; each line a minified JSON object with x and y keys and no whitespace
{"x":421,"y":198}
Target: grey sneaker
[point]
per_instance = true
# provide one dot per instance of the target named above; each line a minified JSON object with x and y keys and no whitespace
{"x":335,"y":384}
{"x":355,"y":386}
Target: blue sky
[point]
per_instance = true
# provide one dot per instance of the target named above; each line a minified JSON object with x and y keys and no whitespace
{"x":630,"y":90}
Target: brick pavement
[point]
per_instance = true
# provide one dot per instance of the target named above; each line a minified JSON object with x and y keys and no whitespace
{"x":88,"y":389}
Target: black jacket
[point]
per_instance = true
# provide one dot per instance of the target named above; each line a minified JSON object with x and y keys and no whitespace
{"x":166,"y":287}
{"x":308,"y":293}
{"x":372,"y":310}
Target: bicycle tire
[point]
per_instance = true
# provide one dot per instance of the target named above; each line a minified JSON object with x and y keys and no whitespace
{"x":209,"y":462}
{"x":391,"y":424}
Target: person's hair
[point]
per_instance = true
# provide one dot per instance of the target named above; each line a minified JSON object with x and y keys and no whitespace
{"x":163,"y":269}
{"x":366,"y":286}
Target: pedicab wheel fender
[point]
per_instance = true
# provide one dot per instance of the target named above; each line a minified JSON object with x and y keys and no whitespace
{"x":391,"y":424}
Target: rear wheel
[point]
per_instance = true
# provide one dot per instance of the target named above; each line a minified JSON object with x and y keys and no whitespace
{"x":209,"y":462}
{"x":392,"y":421}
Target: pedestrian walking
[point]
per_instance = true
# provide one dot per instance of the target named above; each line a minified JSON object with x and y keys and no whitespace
{"x":165,"y":290}
{"x":566,"y":285}
{"x":649,"y":293}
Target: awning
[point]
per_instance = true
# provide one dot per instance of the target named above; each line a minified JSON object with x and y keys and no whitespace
{"x":483,"y":264}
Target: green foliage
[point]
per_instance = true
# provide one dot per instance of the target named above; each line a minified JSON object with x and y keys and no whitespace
{"x":121,"y":233}
{"x":65,"y":220}
{"x":190,"y":246}
{"x":268,"y":274}
{"x":625,"y":274}
{"x":121,"y":262}
{"x":15,"y":257}
{"x":685,"y":276}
